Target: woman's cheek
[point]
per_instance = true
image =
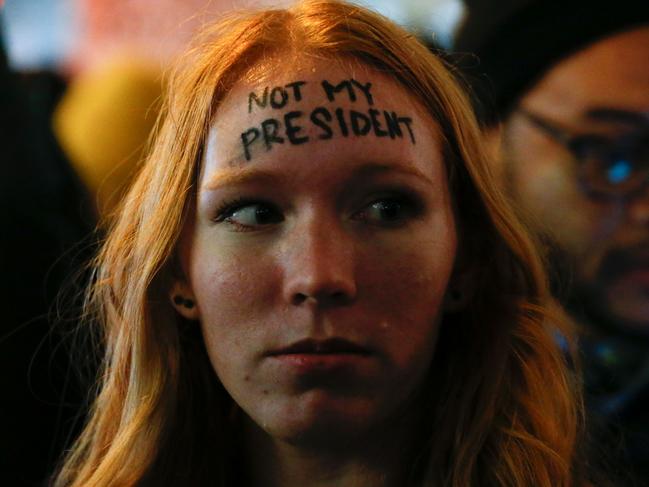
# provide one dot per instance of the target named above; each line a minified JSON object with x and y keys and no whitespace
{"x":406,"y":299}
{"x":230,"y":279}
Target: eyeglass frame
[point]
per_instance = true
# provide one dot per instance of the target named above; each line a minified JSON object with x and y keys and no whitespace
{"x":572,"y":141}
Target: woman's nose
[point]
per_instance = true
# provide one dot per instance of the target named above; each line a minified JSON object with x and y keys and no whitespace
{"x":319,"y":267}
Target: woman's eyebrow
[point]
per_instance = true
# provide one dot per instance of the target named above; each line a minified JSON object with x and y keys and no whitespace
{"x":374,"y":169}
{"x":246,"y":175}
{"x":236,"y":176}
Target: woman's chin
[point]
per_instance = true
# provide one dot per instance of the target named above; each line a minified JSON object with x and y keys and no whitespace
{"x":318,"y":420}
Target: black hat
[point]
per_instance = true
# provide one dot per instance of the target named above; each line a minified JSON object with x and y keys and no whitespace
{"x":516,"y":41}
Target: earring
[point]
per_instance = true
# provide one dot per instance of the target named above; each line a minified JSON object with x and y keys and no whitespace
{"x":180,"y":301}
{"x":455,"y":295}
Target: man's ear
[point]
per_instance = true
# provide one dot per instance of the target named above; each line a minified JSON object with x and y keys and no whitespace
{"x":183,"y":300}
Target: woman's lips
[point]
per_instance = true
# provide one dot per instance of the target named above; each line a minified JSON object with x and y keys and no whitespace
{"x":330,"y":355}
{"x":311,"y":346}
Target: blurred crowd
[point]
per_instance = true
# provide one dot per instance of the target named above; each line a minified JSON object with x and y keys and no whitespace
{"x":561,"y":90}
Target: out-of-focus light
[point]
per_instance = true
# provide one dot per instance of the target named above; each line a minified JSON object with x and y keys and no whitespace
{"x":436,"y":19}
{"x":37,"y":33}
{"x":46,"y":33}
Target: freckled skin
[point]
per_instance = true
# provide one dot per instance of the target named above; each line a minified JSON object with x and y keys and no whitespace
{"x":377,"y":285}
{"x":612,"y":73}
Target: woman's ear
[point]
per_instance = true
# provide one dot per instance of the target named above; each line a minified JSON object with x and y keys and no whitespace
{"x":183,"y":300}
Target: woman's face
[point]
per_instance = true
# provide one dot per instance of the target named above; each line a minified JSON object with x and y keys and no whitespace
{"x":321,"y":249}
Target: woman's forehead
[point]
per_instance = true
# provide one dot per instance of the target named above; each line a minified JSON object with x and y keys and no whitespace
{"x":287,"y":84}
{"x":314,"y":101}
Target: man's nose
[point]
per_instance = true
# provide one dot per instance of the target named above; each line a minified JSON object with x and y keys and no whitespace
{"x":318,"y":261}
{"x":638,"y":207}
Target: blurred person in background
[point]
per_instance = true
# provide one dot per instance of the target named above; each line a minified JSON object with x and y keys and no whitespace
{"x":103,"y":123}
{"x":56,"y":183}
{"x":563,"y":92}
{"x":45,"y":221}
{"x":116,"y":65}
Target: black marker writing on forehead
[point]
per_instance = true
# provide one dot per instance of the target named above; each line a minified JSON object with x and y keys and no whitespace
{"x":278,"y":96}
{"x":330,"y":122}
{"x":350,"y":87}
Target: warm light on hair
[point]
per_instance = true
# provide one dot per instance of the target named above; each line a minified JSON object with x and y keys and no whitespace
{"x":502,"y":405}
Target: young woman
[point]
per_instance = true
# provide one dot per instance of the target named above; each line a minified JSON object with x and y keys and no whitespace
{"x":315,"y":280}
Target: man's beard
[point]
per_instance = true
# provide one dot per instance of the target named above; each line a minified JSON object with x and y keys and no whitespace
{"x":587,"y":300}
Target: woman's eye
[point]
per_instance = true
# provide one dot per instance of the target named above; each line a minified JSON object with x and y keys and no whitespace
{"x":246,"y":216}
{"x":386,"y":211}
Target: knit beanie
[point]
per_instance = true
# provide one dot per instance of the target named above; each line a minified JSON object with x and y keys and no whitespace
{"x":504,"y":46}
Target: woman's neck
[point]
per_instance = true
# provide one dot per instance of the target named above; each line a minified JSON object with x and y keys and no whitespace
{"x":380,"y":459}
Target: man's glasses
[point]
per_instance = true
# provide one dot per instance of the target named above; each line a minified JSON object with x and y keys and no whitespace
{"x":608,"y":167}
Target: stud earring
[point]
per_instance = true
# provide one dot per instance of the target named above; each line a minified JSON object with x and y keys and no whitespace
{"x":455,"y":295}
{"x":180,"y":301}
